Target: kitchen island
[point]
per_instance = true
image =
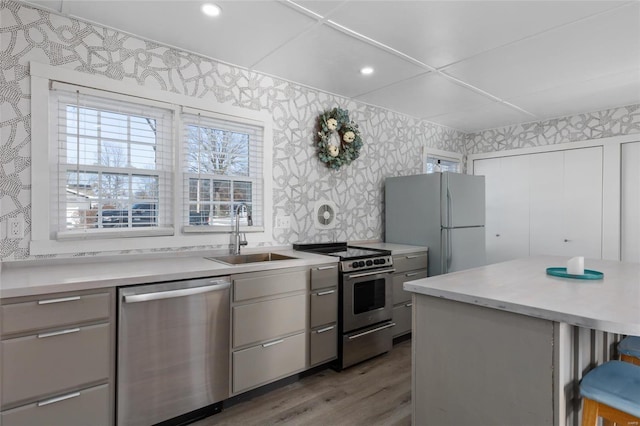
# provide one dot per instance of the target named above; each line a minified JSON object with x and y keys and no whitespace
{"x":507,"y":344}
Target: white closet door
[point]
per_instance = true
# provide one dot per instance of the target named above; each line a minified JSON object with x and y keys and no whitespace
{"x":630,"y":202}
{"x":514,"y":231}
{"x":582,"y":207}
{"x":507,"y":206}
{"x":546,"y":204}
{"x":490,"y":169}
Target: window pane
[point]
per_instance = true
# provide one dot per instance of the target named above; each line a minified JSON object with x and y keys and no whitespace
{"x":145,"y":187}
{"x":242,"y":192}
{"x":445,"y":165}
{"x":221,"y":190}
{"x":81,"y":202}
{"x":143,"y":156}
{"x":113,"y":125}
{"x":199,"y":190}
{"x":218,"y":152}
{"x":113,"y":154}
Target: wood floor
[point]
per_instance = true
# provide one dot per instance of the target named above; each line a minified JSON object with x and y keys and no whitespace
{"x":376,"y":392}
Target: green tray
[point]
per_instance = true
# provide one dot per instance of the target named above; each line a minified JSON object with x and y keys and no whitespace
{"x":588,"y":274}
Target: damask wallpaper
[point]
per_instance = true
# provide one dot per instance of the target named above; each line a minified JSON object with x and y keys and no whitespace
{"x":393,"y":142}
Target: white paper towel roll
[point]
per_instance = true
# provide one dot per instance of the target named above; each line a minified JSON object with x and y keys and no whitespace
{"x":575,"y":266}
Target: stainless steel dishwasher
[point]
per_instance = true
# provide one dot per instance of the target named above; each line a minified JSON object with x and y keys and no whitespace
{"x":173,"y":349}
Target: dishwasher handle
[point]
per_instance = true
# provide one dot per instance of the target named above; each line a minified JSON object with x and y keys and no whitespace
{"x":147,"y":297}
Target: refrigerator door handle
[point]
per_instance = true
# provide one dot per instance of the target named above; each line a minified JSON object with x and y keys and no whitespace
{"x":444,"y":232}
{"x":449,"y":216}
{"x":449,"y":251}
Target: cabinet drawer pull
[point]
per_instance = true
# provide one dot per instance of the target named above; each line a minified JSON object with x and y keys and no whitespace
{"x":324,"y":268}
{"x":324,"y":330}
{"x":62,"y":299}
{"x":58,"y":333}
{"x":411,"y":274}
{"x":58,"y":399}
{"x":324,"y":293}
{"x":413,"y":256}
{"x":408,"y":305}
{"x":266,"y":345}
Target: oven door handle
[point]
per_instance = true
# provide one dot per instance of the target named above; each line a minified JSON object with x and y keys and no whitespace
{"x":355,"y":336}
{"x":366,"y":274}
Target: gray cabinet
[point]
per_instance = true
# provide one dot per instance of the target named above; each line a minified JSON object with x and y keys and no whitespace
{"x":411,"y":266}
{"x":268,"y":327}
{"x":57,"y":359}
{"x":323,"y":315}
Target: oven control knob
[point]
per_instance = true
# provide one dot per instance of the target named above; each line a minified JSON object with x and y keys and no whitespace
{"x":369,"y":262}
{"x":354,"y":265}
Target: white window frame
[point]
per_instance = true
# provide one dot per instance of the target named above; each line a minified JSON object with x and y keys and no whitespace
{"x":164,"y":176}
{"x":44,"y":158}
{"x":186,"y":175}
{"x":441,"y":155}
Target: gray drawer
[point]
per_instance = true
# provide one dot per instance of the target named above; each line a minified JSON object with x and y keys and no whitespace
{"x":402,"y":318}
{"x":411,"y":261}
{"x":54,"y":311}
{"x":82,"y":408}
{"x":36,"y":366}
{"x":324,"y":276}
{"x":323,"y":344}
{"x":257,"y":322}
{"x":399,"y":295}
{"x":264,"y":363}
{"x":251,"y":286}
{"x":324,"y":307}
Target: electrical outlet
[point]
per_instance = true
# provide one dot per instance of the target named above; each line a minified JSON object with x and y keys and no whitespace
{"x":14,"y":228}
{"x":283,"y":222}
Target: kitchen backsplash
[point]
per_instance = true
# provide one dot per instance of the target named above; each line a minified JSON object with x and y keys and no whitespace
{"x":393,"y":142}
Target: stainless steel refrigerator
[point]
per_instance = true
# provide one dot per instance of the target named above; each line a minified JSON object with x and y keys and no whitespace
{"x":443,"y":211}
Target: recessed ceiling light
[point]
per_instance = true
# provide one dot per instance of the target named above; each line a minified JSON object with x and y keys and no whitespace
{"x":211,"y":9}
{"x":366,"y":71}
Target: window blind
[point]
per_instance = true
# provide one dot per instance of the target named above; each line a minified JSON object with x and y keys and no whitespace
{"x":222,"y":169}
{"x":114,"y":162}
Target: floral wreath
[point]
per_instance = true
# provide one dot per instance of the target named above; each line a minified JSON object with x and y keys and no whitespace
{"x":339,"y":140}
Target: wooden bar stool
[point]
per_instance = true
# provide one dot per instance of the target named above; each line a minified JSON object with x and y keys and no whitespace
{"x":611,"y":391}
{"x":629,"y":349}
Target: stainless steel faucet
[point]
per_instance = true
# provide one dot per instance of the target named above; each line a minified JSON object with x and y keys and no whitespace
{"x":239,"y":239}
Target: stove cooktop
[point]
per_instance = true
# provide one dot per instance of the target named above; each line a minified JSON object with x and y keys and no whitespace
{"x":353,"y":258}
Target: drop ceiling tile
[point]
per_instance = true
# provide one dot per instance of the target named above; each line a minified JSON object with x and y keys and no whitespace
{"x":610,"y":91}
{"x":241,"y":35}
{"x":442,"y":32}
{"x":489,"y":116}
{"x":582,"y":51}
{"x":327,"y":59}
{"x":425,"y":96}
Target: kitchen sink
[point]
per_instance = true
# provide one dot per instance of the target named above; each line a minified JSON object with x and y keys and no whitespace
{"x":238,"y":259}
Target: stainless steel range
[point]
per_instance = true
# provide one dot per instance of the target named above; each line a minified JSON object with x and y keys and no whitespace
{"x":365,"y":298}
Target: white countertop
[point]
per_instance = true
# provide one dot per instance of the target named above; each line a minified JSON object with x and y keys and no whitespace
{"x":33,"y":277}
{"x":394,"y":248}
{"x":522,"y":286}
